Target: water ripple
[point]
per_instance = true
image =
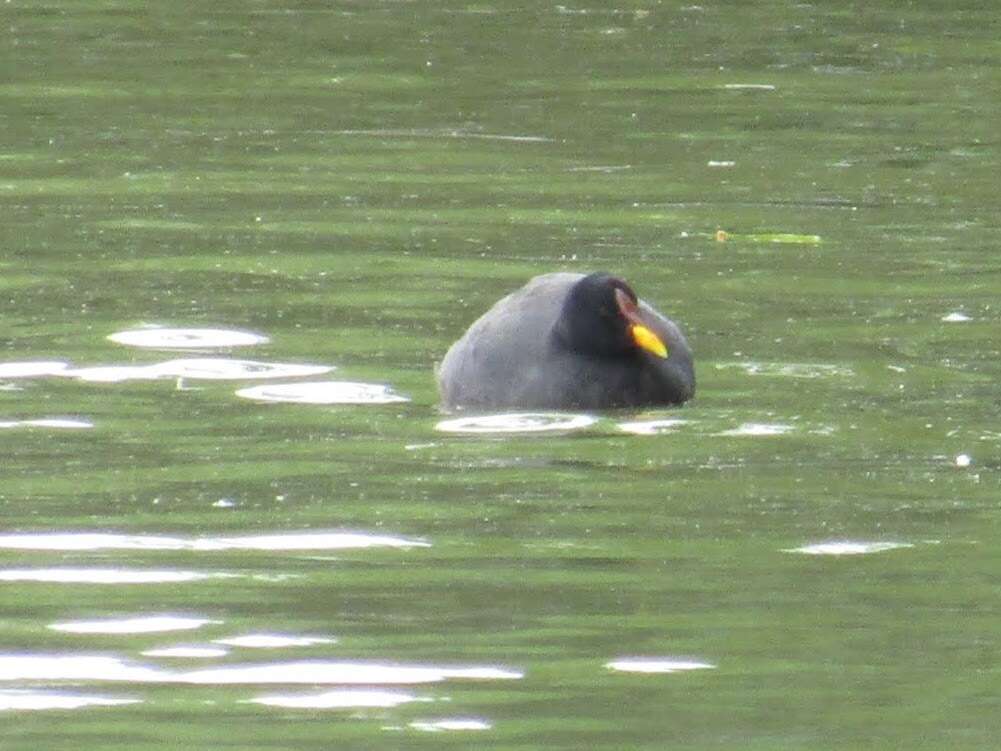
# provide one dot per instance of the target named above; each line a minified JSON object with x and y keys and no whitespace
{"x":187,"y":652}
{"x":321,"y":671}
{"x":757,"y":429}
{"x":517,"y":422}
{"x":168,"y":338}
{"x":847,"y":547}
{"x":273,"y":641}
{"x":324,"y":392}
{"x":140,"y":625}
{"x":196,"y":368}
{"x":287,"y":541}
{"x":791,"y":369}
{"x":652,"y":427}
{"x":306,"y":541}
{"x":74,"y":667}
{"x":656,"y":665}
{"x":48,"y":422}
{"x":455,"y":723}
{"x":102,"y":576}
{"x":31,"y":369}
{"x":338,"y":699}
{"x":19,"y":700}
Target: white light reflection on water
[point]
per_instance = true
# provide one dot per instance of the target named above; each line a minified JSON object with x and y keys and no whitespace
{"x":323,"y":392}
{"x":757,"y":429}
{"x":140,"y":625}
{"x":790,"y":369}
{"x":39,"y":700}
{"x":306,"y":541}
{"x":169,"y":338}
{"x":457,"y":723}
{"x":225,"y":370}
{"x":48,"y":422}
{"x":848,"y":547}
{"x":652,"y":427}
{"x":32,"y":369}
{"x":273,"y":641}
{"x":75,"y":667}
{"x":72,"y":667}
{"x":517,"y":422}
{"x":88,"y":541}
{"x":102,"y":576}
{"x":272,"y":542}
{"x":114,"y":373}
{"x":197,"y":368}
{"x":441,"y":133}
{"x":187,"y":652}
{"x":321,"y":671}
{"x":340,"y":699}
{"x":656,"y":665}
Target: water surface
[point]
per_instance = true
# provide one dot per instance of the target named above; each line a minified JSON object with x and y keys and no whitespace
{"x":238,"y":236}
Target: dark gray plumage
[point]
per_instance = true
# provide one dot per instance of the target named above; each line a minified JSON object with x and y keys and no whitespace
{"x":568,"y":341}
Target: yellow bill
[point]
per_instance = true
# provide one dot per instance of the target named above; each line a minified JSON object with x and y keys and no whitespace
{"x":646,"y":339}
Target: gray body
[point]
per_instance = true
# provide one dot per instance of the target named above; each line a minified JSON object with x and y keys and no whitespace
{"x":510,"y":358}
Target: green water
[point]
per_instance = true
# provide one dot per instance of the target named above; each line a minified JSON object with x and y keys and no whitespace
{"x":357,"y":182}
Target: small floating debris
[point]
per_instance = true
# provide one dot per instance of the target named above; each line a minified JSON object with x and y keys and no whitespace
{"x":324,"y":392}
{"x":721,"y":163}
{"x":782,"y":237}
{"x":167,"y":338}
{"x":963,"y":460}
{"x":656,"y":665}
{"x":956,"y":317}
{"x":847,"y":547}
{"x":749,"y":86}
{"x":721,"y":235}
{"x":517,"y":422}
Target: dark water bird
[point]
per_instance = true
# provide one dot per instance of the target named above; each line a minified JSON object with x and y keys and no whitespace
{"x":568,"y":341}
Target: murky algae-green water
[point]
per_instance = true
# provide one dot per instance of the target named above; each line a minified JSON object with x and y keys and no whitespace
{"x":242,"y":521}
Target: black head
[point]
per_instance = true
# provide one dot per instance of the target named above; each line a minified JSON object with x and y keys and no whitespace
{"x":600,"y":317}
